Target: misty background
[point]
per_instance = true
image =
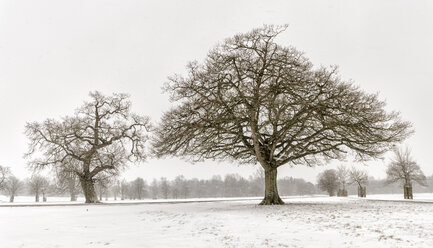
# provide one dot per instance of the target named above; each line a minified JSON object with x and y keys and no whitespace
{"x":52,"y":53}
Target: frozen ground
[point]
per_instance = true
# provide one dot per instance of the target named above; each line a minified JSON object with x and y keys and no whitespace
{"x":302,"y":222}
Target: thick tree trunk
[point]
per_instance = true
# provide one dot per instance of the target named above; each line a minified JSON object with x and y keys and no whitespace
{"x":44,"y":197}
{"x":271,"y":190}
{"x":37,"y":197}
{"x":89,"y":190}
{"x":11,"y":199}
{"x":362,"y":191}
{"x":407,"y":188}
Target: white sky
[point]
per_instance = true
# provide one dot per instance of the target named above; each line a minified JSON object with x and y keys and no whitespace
{"x":52,"y":53}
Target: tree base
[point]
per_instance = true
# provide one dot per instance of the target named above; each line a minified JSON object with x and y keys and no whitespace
{"x":272,"y":201}
{"x":89,"y":190}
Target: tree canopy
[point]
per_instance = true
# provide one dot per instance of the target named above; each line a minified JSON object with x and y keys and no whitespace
{"x":253,"y":100}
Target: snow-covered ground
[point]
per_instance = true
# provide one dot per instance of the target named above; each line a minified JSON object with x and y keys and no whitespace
{"x":302,"y":222}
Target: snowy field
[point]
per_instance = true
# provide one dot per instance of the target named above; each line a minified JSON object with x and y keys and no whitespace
{"x":302,"y":222}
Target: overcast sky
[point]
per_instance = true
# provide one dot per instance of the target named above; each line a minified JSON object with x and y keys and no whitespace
{"x":52,"y":53}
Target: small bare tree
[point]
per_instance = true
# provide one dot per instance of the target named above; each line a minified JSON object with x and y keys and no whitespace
{"x":4,"y":174}
{"x":124,"y":189}
{"x":255,"y":101}
{"x":116,"y":188}
{"x":12,"y":186}
{"x":39,"y":185}
{"x":164,"y":187}
{"x":154,"y":189}
{"x":328,"y":181}
{"x":343,"y":178}
{"x":102,"y":183}
{"x":405,"y":170}
{"x":360,"y":178}
{"x":67,"y":181}
{"x":100,"y":138}
{"x":138,"y":188}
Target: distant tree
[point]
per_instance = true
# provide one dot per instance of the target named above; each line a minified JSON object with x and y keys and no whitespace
{"x":184,"y":189}
{"x":164,"y":187}
{"x":102,"y":183}
{"x":124,"y":189}
{"x":255,"y":101}
{"x":405,"y":170}
{"x":116,"y":189}
{"x":4,"y":174}
{"x":343,"y":178}
{"x":39,"y":185}
{"x":138,"y":188}
{"x":256,"y":187}
{"x":100,"y":138}
{"x":179,"y":187}
{"x":67,"y":181}
{"x":360,"y":178}
{"x":12,"y":186}
{"x":154,"y":188}
{"x":328,"y":181}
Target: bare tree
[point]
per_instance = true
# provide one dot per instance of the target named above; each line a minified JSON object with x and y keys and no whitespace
{"x":39,"y":185}
{"x":405,"y":170}
{"x":343,"y":178}
{"x":68,"y":181}
{"x":254,"y":101}
{"x":12,"y":186}
{"x":124,"y":189}
{"x":360,"y":178}
{"x":4,"y":174}
{"x":116,"y":189}
{"x":328,"y":181}
{"x":154,"y":188}
{"x":102,"y":183}
{"x":164,"y":187}
{"x":100,"y":138}
{"x":138,"y":188}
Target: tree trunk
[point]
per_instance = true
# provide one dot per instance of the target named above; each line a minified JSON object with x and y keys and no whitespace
{"x":37,"y":197}
{"x":11,"y":199}
{"x":408,"y":191}
{"x":342,"y":193}
{"x":73,"y":196}
{"x":271,"y":190}
{"x":89,"y":190}
{"x":44,"y":197}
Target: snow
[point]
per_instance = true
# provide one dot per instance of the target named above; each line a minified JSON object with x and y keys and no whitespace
{"x":302,"y":222}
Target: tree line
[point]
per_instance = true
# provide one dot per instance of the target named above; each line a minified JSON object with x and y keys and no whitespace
{"x":231,"y":185}
{"x":344,"y":182}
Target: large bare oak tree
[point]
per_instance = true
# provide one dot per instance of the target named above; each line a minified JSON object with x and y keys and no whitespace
{"x":253,"y":100}
{"x":99,"y":139}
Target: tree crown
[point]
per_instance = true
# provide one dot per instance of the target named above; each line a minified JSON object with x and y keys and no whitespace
{"x":253,"y":100}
